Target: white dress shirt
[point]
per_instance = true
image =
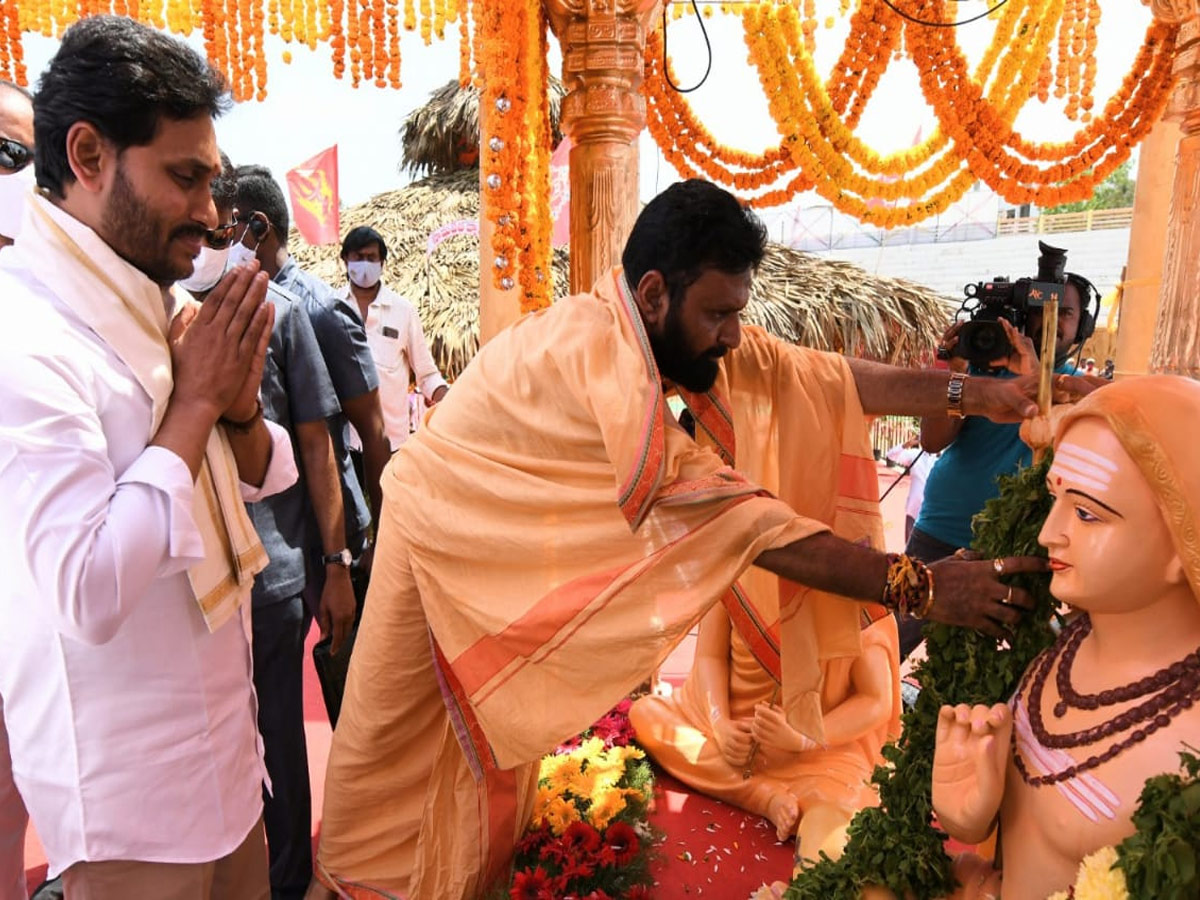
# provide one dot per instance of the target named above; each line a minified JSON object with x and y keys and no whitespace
{"x":133,"y":730}
{"x":401,"y":354}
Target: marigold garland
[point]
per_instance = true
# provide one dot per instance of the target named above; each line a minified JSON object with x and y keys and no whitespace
{"x":233,"y":32}
{"x":515,"y":145}
{"x":975,"y":139}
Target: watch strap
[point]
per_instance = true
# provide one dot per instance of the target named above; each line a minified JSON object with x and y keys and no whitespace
{"x":954,"y":395}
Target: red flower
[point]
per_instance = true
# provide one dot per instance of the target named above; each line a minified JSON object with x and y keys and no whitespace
{"x":581,"y":838}
{"x":638,"y":892}
{"x":597,"y":894}
{"x":535,"y":885}
{"x":533,"y":839}
{"x":620,"y":844}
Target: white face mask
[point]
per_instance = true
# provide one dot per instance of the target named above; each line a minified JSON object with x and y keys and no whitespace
{"x":14,"y":193}
{"x":207,"y":269}
{"x":238,"y":254}
{"x":364,"y":273}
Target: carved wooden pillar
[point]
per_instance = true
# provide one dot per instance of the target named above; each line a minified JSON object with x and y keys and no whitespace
{"x":1176,"y":347}
{"x":603,"y":113}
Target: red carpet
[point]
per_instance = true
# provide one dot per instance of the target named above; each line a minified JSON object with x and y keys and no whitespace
{"x":711,"y":849}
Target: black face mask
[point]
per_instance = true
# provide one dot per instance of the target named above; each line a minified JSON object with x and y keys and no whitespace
{"x":693,"y":373}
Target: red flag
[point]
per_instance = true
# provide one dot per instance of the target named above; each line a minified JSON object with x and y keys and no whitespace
{"x":313,"y":186}
{"x":560,"y":193}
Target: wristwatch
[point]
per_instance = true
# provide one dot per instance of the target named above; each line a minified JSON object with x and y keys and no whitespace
{"x":342,"y":557}
{"x":954,"y":395}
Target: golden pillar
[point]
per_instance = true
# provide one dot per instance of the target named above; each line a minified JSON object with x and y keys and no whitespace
{"x":1147,"y":238}
{"x":603,"y":114}
{"x":1176,"y":348}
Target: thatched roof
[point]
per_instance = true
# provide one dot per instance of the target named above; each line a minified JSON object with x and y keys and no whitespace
{"x":443,"y":135}
{"x":826,"y":304}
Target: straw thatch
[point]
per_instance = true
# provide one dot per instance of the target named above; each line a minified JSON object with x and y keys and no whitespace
{"x":442,"y":136}
{"x":819,"y":303}
{"x":827,"y":304}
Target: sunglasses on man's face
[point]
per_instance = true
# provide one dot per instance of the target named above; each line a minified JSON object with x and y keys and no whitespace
{"x":14,"y":155}
{"x":220,"y":237}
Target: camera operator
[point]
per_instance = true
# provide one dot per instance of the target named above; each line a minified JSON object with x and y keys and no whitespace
{"x":976,"y":451}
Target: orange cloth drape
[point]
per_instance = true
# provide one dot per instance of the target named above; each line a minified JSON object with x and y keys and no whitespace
{"x":548,"y":536}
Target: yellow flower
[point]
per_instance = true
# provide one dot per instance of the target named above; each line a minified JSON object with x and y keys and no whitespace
{"x":581,"y":783}
{"x":605,"y":807}
{"x":559,"y":814}
{"x":1098,"y":880}
{"x":557,"y":766}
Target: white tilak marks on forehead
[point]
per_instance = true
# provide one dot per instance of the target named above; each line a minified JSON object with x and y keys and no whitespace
{"x":1082,"y":466}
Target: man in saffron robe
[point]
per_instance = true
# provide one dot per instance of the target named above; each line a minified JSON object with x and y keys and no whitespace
{"x":551,"y":532}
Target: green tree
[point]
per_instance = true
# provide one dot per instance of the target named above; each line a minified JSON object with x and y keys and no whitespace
{"x":1114,"y":192}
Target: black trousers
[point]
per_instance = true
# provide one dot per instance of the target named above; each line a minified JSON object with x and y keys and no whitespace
{"x":279,"y":632}
{"x":927,"y":549}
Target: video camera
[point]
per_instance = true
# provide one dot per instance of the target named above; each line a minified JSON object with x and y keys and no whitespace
{"x":982,"y":340}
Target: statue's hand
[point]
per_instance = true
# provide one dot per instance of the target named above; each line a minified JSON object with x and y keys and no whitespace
{"x":771,"y":730}
{"x":733,"y":740}
{"x":969,"y":763}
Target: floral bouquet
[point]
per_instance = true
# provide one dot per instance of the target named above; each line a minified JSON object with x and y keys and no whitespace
{"x":590,"y":838}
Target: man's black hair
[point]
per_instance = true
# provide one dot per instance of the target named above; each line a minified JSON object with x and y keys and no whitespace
{"x":123,"y":78}
{"x":688,"y":228}
{"x":224,"y":185}
{"x":6,"y":85}
{"x":362,"y":237}
{"x":257,"y":191}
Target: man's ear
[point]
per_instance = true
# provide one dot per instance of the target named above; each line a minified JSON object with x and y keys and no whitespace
{"x":653,"y":298}
{"x":89,"y":155}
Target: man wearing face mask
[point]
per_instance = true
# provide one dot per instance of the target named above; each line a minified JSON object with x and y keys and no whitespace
{"x":262,"y":235}
{"x":393,"y":331}
{"x":16,"y":157}
{"x":297,"y":395}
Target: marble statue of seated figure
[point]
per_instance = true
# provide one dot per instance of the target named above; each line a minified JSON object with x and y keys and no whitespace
{"x":724,"y":734}
{"x":1112,"y":702}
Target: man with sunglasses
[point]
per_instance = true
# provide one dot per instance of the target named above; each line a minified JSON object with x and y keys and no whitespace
{"x":262,"y":235}
{"x":16,"y":157}
{"x":297,"y":395}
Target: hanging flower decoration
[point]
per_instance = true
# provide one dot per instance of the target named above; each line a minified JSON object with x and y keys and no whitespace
{"x":234,"y":32}
{"x":976,"y":110}
{"x":515,"y":150}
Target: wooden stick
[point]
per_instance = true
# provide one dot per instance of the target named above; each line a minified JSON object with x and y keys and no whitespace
{"x":1049,"y":346}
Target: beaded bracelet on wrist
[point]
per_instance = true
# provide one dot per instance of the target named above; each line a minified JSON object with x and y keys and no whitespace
{"x":908,"y":587}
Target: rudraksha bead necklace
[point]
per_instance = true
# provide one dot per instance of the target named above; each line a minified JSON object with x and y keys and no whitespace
{"x":1178,"y":687}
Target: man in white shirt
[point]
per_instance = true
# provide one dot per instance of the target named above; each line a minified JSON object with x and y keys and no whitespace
{"x":16,"y":181}
{"x":128,"y":555}
{"x":393,"y":333}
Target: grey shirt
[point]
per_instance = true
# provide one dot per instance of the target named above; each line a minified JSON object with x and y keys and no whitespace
{"x":351,"y":368}
{"x":295,"y":388}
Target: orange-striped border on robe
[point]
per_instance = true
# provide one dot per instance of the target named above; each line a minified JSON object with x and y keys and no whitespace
{"x":637,"y":494}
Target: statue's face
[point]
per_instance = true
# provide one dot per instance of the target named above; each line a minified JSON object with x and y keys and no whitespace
{"x":1109,"y":546}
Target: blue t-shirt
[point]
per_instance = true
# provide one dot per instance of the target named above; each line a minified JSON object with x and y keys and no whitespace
{"x":964,"y":477}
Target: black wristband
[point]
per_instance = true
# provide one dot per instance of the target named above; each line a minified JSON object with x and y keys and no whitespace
{"x":243,"y":427}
